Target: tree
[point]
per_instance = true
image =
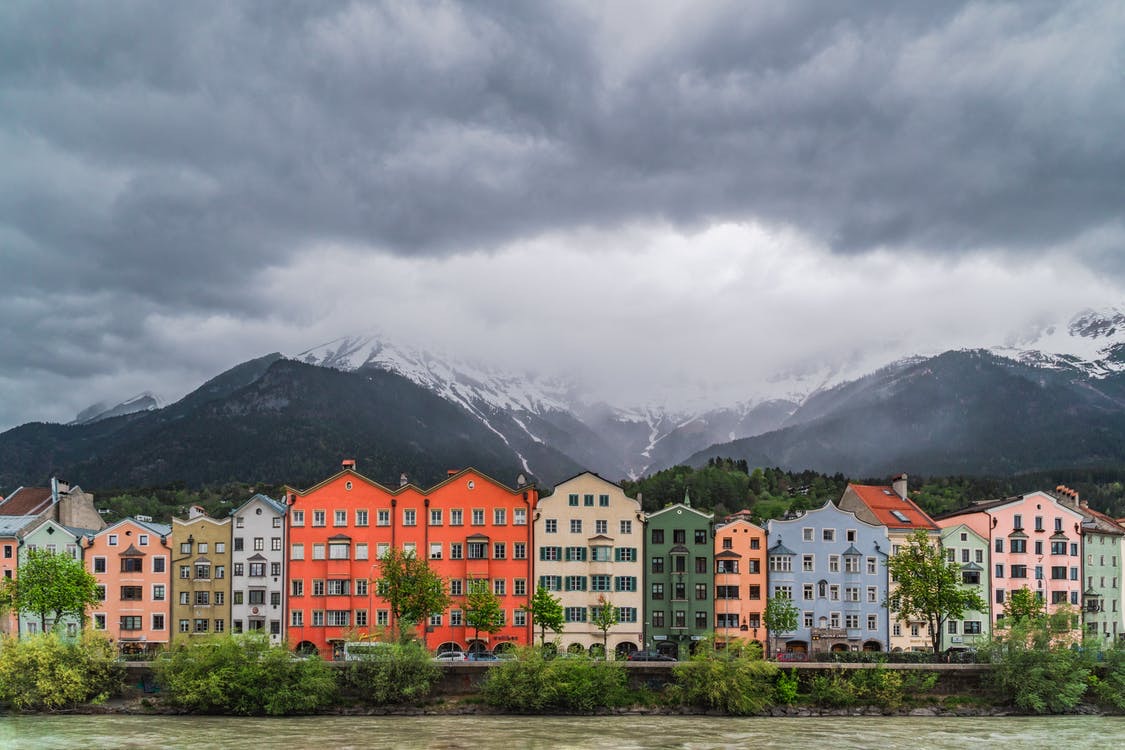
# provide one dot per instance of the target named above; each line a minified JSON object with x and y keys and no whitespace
{"x":780,"y":615}
{"x":1024,"y":607}
{"x":49,"y":583}
{"x":928,"y":587}
{"x":411,"y":588}
{"x":546,"y":611}
{"x":482,"y":609}
{"x":604,"y":617}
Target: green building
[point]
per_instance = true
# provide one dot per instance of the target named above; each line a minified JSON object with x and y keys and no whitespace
{"x":679,"y":554}
{"x":968,"y":550}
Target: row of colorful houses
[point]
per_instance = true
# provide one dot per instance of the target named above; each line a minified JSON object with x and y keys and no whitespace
{"x":302,"y":569}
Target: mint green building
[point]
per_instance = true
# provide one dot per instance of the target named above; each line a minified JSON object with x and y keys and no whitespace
{"x":679,"y":595}
{"x":969,"y":551}
{"x":55,"y":538}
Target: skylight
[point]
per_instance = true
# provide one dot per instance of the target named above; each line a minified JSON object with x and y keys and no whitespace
{"x":900,"y":516}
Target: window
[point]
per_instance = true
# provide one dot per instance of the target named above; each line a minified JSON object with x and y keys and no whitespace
{"x":572,"y":500}
{"x":519,"y":517}
{"x":435,"y":550}
{"x":701,"y":536}
{"x":781,"y":563}
{"x":726,"y":592}
{"x":297,"y":587}
{"x":478,"y":516}
{"x":551,"y":583}
{"x":601,"y":527}
{"x":339,"y":618}
{"x":629,"y":583}
{"x":361,"y":587}
{"x":318,"y":518}
{"x":851,"y":593}
{"x":519,"y":586}
{"x":336,"y":586}
{"x":409,"y":517}
{"x":658,"y":536}
{"x":576,"y":526}
{"x":872,"y":566}
{"x":99,"y":565}
{"x":807,"y":591}
{"x":435,"y":517}
{"x":657,"y":618}
{"x":575,"y":614}
{"x":257,"y":570}
{"x":603,"y":501}
{"x":626,"y":527}
{"x":238,"y":542}
{"x":828,"y":535}
{"x":851,"y":564}
{"x":679,"y":591}
{"x":1019,"y":571}
{"x":679,"y":536}
{"x":277,"y":525}
{"x":1058,"y":572}
{"x":185,"y":548}
{"x":519,"y":550}
{"x":726,"y":566}
{"x":849,"y":535}
{"x":1018,"y":546}
{"x":202,"y":598}
{"x":202,"y":570}
{"x":456,"y":587}
{"x":317,"y":553}
{"x":658,"y":591}
{"x":131,"y":622}
{"x":807,"y":534}
{"x":499,"y":587}
{"x":382,"y":617}
{"x":700,"y":619}
{"x":679,"y":619}
{"x":456,"y":517}
{"x":499,"y":517}
{"x":185,"y":571}
{"x":478,"y":550}
{"x":361,"y":517}
{"x":658,"y":565}
{"x":971,"y":577}
{"x":455,"y":617}
{"x":456,"y":551}
{"x":340,"y":518}
{"x":851,"y":621}
{"x":807,"y":563}
{"x":575,"y":554}
{"x":132,"y":565}
{"x":999,"y":544}
{"x":499,"y":551}
{"x":588,"y":501}
{"x":972,"y":627}
{"x":872,"y":594}
{"x":318,"y":587}
{"x":575,"y":583}
{"x":297,"y":551}
{"x":259,"y":544}
{"x":296,"y":518}
{"x":131,"y":593}
{"x":551,"y":526}
{"x":1058,"y":548}
{"x":382,"y":517}
{"x":1017,"y":522}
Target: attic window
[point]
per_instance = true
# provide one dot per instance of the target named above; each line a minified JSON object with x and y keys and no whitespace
{"x":887,"y":493}
{"x":900,"y":516}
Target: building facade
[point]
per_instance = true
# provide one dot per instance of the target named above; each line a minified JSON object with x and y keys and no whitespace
{"x":740,"y":582}
{"x":54,"y":538}
{"x":891,"y":506}
{"x":1035,"y":544}
{"x":11,"y":531}
{"x":590,"y":541}
{"x":832,"y":566}
{"x":679,"y":554}
{"x":970,"y":551}
{"x":257,"y":555}
{"x":469,"y":527}
{"x":131,"y":561}
{"x":1103,"y":550}
{"x":200,"y":568}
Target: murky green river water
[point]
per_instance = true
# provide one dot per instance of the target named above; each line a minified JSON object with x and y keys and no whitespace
{"x":511,"y":733}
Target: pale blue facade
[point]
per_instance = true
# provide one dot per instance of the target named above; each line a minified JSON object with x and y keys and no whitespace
{"x":833,"y":567}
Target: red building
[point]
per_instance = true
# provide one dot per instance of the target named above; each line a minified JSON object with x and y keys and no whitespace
{"x":468,"y":527}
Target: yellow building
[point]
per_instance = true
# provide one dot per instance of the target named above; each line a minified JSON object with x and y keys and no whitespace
{"x":201,"y":564}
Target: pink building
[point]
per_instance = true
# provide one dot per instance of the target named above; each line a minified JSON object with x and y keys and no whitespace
{"x":130,"y":559}
{"x":1036,"y":544}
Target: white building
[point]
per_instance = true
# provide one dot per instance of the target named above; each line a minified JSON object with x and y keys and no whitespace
{"x":258,"y":568}
{"x":590,"y":540}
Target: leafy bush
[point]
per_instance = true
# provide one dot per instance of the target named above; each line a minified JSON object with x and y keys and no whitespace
{"x":1110,"y":687}
{"x":244,"y":675}
{"x":532,"y":683}
{"x":725,"y":680}
{"x":878,"y":687}
{"x":1035,"y":673}
{"x":44,"y":672}
{"x":398,"y":674}
{"x":831,"y":690}
{"x":787,"y":687}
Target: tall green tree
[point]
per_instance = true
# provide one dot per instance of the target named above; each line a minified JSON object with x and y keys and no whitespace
{"x":1024,"y":607}
{"x":780,"y":616}
{"x":50,"y":584}
{"x":411,"y":588}
{"x":928,"y":587}
{"x":546,"y":611}
{"x":603,"y":616}
{"x":482,"y":609}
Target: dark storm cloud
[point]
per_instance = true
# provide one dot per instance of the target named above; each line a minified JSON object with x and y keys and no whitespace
{"x":160,"y":155}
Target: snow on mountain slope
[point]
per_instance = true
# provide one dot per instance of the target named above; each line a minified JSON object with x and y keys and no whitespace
{"x":1093,"y":343}
{"x":141,"y":402}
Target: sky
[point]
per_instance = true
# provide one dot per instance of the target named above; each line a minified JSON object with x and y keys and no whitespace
{"x":653,"y":198}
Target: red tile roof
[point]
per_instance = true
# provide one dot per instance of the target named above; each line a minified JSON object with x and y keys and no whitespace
{"x":26,"y":501}
{"x":885,"y":503}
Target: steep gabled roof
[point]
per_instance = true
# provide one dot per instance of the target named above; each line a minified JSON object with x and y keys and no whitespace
{"x":276,"y":505}
{"x":27,"y":501}
{"x":892,"y":511}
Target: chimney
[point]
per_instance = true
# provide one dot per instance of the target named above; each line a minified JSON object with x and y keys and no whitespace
{"x":451,"y":472}
{"x":898,"y":484}
{"x":54,"y":490}
{"x":348,"y":463}
{"x":195,"y":511}
{"x":403,"y":480}
{"x":521,"y":480}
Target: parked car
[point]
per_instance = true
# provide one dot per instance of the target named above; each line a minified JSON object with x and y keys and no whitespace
{"x":483,"y":656}
{"x":450,"y":656}
{"x":650,"y":656}
{"x":793,"y":656}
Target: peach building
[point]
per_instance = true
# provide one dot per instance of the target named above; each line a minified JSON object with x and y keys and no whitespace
{"x":130,"y":560}
{"x":1035,"y":543}
{"x":740,"y":581}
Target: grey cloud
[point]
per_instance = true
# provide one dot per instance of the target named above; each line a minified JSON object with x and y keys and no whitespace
{"x":178,"y":149}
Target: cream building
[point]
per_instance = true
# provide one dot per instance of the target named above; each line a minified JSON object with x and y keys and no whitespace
{"x":590,"y":540}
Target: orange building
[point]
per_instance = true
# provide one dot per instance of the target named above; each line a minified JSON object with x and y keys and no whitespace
{"x":130,"y":560}
{"x":740,"y":581}
{"x":468,"y":527}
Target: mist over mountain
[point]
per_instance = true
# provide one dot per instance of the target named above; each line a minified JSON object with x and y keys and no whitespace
{"x":1004,"y":411}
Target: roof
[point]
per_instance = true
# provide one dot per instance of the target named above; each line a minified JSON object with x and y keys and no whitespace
{"x":780,"y":549}
{"x":27,"y":501}
{"x":984,"y":506}
{"x":12,"y":525}
{"x":275,"y":505}
{"x":891,"y":510}
{"x":681,"y":506}
{"x":160,"y":529}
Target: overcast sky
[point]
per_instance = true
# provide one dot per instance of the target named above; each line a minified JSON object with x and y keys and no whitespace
{"x":647,"y":195}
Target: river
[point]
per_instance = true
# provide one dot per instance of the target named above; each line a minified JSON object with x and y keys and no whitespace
{"x":545,"y":733}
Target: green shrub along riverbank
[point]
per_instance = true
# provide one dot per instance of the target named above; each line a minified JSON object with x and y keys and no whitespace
{"x":243,"y":675}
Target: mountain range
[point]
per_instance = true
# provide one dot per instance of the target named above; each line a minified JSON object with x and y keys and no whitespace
{"x":1051,"y":402}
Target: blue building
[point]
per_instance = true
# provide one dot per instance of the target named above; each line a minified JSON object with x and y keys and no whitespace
{"x":832,"y":566}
